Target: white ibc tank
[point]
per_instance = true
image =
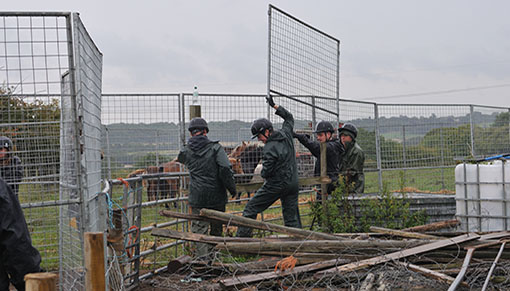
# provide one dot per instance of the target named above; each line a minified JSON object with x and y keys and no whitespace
{"x":480,"y":196}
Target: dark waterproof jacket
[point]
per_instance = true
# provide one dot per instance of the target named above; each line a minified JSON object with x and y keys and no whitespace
{"x":351,"y":167}
{"x":210,"y":172}
{"x":17,"y":255}
{"x":12,"y":173}
{"x":279,"y":156}
{"x":334,"y":149}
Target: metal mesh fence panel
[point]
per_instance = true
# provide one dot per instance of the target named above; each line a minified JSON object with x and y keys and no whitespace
{"x":303,"y":68}
{"x":34,"y":54}
{"x":420,"y":144}
{"x":491,"y":135}
{"x":303,"y":61}
{"x":88,"y":62}
{"x":362,"y":115}
{"x":141,"y":133}
{"x":38,"y":55}
{"x":80,"y":155}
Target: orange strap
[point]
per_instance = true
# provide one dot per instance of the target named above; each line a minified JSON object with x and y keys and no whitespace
{"x":131,"y":240}
{"x":286,"y":264}
{"x":124,"y":182}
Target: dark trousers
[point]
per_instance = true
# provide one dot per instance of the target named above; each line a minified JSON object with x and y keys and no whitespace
{"x":265,"y":197}
{"x":203,"y":227}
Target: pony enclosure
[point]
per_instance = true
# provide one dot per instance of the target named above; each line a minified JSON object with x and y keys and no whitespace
{"x":75,"y":141}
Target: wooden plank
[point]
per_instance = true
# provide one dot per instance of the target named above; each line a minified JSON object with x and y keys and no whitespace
{"x":187,"y":216}
{"x":402,"y":233}
{"x":495,"y":235}
{"x":94,"y":261}
{"x":317,"y":246}
{"x":176,"y":264}
{"x":400,"y":254}
{"x":248,"y":279}
{"x":243,"y":221}
{"x":429,"y":273}
{"x":463,"y":270}
{"x":196,"y":237}
{"x":433,"y":226}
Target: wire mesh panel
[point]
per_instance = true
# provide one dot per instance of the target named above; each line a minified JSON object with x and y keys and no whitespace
{"x":303,"y":68}
{"x":303,"y":62}
{"x":88,"y":62}
{"x":491,"y":135}
{"x":34,"y":54}
{"x":362,"y":115}
{"x":142,"y":134}
{"x":80,"y":155}
{"x":38,"y":53}
{"x":422,"y":142}
{"x":139,"y":130}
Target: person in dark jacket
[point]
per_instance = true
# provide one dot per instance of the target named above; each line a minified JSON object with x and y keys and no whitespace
{"x":210,"y":175}
{"x":334,"y":149}
{"x":279,"y":170}
{"x":351,"y":162}
{"x":10,"y":165}
{"x":17,"y":255}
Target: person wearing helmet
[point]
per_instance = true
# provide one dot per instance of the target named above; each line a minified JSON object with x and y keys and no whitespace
{"x":334,"y":149}
{"x":10,"y":165}
{"x":279,"y":170}
{"x":17,"y":255}
{"x":351,"y":162}
{"x":210,"y":176}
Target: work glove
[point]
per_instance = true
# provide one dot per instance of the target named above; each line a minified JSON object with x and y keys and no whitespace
{"x":270,"y":101}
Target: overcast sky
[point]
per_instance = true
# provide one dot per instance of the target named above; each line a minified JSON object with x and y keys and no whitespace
{"x":402,"y":51}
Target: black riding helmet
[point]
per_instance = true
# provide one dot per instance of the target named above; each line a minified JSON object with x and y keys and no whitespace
{"x":324,"y":126}
{"x":259,"y":126}
{"x":197,"y":124}
{"x":349,"y":129}
{"x":5,"y":142}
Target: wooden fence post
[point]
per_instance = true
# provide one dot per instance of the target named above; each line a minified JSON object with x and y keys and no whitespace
{"x":41,"y":282}
{"x":94,"y":261}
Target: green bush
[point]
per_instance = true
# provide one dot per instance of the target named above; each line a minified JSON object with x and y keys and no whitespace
{"x":338,"y":213}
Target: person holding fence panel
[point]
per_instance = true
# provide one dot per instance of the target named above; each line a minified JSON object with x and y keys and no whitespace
{"x":279,"y":170}
{"x":210,"y":175}
{"x":10,"y":165}
{"x":351,"y":162}
{"x":17,"y":255}
{"x":334,"y":149}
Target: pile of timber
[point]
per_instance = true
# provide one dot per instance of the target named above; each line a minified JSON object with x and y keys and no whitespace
{"x":444,"y":257}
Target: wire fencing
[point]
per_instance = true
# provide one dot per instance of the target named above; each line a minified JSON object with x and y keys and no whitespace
{"x":50,"y":72}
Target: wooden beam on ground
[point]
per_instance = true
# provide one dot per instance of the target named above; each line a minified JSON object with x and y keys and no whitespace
{"x":401,"y":233}
{"x":400,"y":254}
{"x":176,"y":264}
{"x":429,"y":273}
{"x":196,"y":237}
{"x":317,"y":246}
{"x":242,"y":281}
{"x":187,"y":216}
{"x":248,"y":222}
{"x":41,"y":282}
{"x":433,"y":226}
{"x":94,"y":261}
